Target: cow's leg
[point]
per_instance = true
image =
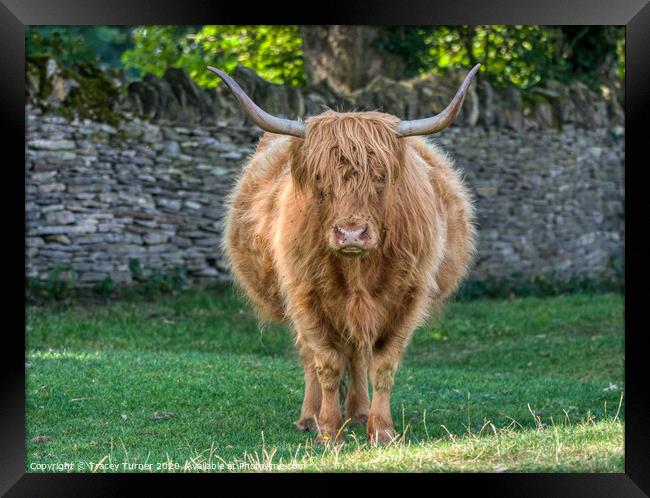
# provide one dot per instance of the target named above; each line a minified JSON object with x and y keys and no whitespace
{"x":329,"y":362}
{"x":385,"y":358}
{"x":308,"y":420}
{"x":383,"y":365}
{"x":330,"y":366}
{"x":382,"y":371}
{"x":357,"y":402}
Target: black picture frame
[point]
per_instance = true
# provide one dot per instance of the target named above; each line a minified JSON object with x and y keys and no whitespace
{"x":634,"y":14}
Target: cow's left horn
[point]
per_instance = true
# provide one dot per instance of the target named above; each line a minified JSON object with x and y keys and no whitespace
{"x":260,"y":117}
{"x":440,"y":121}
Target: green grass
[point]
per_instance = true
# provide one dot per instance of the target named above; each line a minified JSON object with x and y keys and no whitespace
{"x":532,"y":384}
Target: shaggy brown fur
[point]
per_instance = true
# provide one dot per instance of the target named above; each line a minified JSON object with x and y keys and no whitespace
{"x":355,"y":313}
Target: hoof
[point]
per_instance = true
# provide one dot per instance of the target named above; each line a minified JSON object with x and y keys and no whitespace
{"x":306,"y":424}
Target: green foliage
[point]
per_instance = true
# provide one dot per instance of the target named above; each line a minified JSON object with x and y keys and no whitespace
{"x":74,"y":44}
{"x":59,"y":285}
{"x":511,"y":55}
{"x":620,"y":54}
{"x":273,"y":52}
{"x":158,"y":281}
{"x":543,"y":285}
{"x":94,"y":96}
{"x":92,"y":91}
{"x":66,"y":43}
{"x":108,"y":42}
{"x":412,"y":44}
{"x":136,"y":270}
{"x":166,"y":282}
{"x":589,"y":52}
{"x":105,"y":288}
{"x":155,"y":48}
{"x":519,"y":55}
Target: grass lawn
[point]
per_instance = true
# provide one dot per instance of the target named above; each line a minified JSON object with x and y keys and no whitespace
{"x":190,"y":383}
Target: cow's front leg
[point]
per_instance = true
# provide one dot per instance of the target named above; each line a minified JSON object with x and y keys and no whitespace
{"x":382,"y":372}
{"x":330,"y":365}
{"x":386,"y":354}
{"x":383,"y":365}
{"x":311,"y":402}
{"x":357,"y":402}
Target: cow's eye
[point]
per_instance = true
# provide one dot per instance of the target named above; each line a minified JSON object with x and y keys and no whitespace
{"x":351,"y":174}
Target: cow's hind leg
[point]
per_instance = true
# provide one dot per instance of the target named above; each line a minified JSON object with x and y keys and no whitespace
{"x":308,"y":420}
{"x":357,"y":402}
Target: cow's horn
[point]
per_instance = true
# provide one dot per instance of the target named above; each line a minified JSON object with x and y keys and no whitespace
{"x":440,"y":121}
{"x":260,"y":117}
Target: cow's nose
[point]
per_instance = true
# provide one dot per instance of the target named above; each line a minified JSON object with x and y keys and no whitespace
{"x":347,"y":236}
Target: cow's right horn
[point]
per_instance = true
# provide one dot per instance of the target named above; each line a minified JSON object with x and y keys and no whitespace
{"x":260,"y":117}
{"x":440,"y":121}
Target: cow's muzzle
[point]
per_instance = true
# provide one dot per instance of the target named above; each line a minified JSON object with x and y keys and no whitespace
{"x":352,"y":239}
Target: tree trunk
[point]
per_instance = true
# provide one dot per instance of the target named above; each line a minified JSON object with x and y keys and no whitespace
{"x":348,"y":57}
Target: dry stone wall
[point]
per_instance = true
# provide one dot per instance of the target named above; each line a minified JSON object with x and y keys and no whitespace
{"x":99,"y":195}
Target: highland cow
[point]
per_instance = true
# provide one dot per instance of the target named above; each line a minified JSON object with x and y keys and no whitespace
{"x":352,"y":228}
